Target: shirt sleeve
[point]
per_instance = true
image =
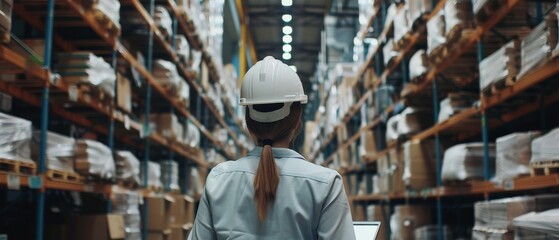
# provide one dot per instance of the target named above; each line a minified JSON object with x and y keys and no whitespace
{"x":203,"y":224}
{"x":335,"y":220}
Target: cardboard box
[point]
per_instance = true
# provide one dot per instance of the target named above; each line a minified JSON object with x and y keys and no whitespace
{"x":159,"y":212}
{"x":182,"y":211}
{"x":407,"y":218}
{"x":180,"y":233}
{"x":97,"y":227}
{"x":124,"y":93}
{"x":420,"y":165}
{"x":168,"y":126}
{"x":160,"y":235}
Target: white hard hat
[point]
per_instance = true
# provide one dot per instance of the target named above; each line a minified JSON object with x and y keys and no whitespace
{"x":271,"y":81}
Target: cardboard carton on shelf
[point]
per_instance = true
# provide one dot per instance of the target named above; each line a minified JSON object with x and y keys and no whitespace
{"x":159,"y":235}
{"x":97,"y":227}
{"x":159,"y":212}
{"x":179,"y":233}
{"x":124,"y":93}
{"x":420,"y":166}
{"x":182,"y":211}
{"x":168,"y":126}
{"x":407,"y":218}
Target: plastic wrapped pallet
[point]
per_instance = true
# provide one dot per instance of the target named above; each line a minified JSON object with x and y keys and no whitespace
{"x":436,"y":32}
{"x":499,"y":214}
{"x":401,"y":25}
{"x":127,"y":167}
{"x":458,"y":15}
{"x":183,"y":49}
{"x":154,"y":175}
{"x":94,"y":158}
{"x":542,"y":225}
{"x":166,"y":74}
{"x":110,"y":8}
{"x":419,"y":65}
{"x":379,"y":213}
{"x":170,"y":174}
{"x":126,"y":203}
{"x":163,"y":20}
{"x":406,"y":219}
{"x":454,"y":103}
{"x":537,"y":47}
{"x":432,"y":232}
{"x":85,"y":67}
{"x":513,"y":154}
{"x":5,"y":19}
{"x":465,"y":161}
{"x":546,"y":148}
{"x":60,"y":151}
{"x":409,"y":121}
{"x":417,"y":9}
{"x":192,"y":135}
{"x":15,"y":138}
{"x":503,"y":64}
{"x":420,"y":166}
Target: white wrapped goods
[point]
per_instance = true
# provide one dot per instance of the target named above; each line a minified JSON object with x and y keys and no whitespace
{"x":401,"y":25}
{"x":184,"y":93}
{"x":418,"y":8}
{"x":454,"y":103}
{"x":537,"y":47}
{"x":409,"y":121}
{"x":191,"y":135}
{"x":538,"y":226}
{"x":126,"y":203}
{"x":170,"y":174}
{"x":60,"y":151}
{"x":154,"y":175}
{"x":94,"y":158}
{"x":163,"y":20}
{"x":183,"y":49}
{"x":86,"y":68}
{"x":503,"y":64}
{"x":389,"y":51}
{"x":465,"y":161}
{"x":419,"y":65}
{"x":127,"y":167}
{"x":546,"y":147}
{"x":15,"y":138}
{"x":431,"y":232}
{"x":498,"y":214}
{"x":406,"y":219}
{"x":110,"y":8}
{"x":166,"y":74}
{"x":458,"y":15}
{"x":513,"y":154}
{"x":435,"y":32}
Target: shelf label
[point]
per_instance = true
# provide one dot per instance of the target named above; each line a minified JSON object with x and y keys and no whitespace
{"x":13,"y":182}
{"x":88,"y":188}
{"x":73,"y":93}
{"x":35,"y":182}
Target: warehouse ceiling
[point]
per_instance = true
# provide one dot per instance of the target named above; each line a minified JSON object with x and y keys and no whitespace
{"x":266,"y":22}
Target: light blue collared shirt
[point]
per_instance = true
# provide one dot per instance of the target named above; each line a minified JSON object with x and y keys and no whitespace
{"x":310,"y":202}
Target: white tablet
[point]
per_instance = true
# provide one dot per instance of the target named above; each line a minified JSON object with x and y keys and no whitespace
{"x":366,"y":230}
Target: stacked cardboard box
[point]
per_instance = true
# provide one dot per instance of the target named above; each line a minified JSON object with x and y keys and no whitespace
{"x":92,"y":158}
{"x":407,"y":218}
{"x":456,"y":102}
{"x":166,"y":74}
{"x":410,"y":121}
{"x":60,"y":151}
{"x":513,"y":154}
{"x":124,"y":93}
{"x":436,"y":32}
{"x":503,"y":64}
{"x":420,"y":165}
{"x":458,"y":15}
{"x":15,"y":138}
{"x":368,"y":144}
{"x":159,"y":210}
{"x":86,"y":68}
{"x":167,"y":124}
{"x":465,"y":162}
{"x":182,"y":216}
{"x":97,"y":227}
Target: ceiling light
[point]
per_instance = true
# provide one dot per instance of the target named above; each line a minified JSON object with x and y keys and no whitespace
{"x":286,"y":18}
{"x":287,"y":30}
{"x":287,"y":48}
{"x":287,"y":39}
{"x":286,"y":56}
{"x":293,"y":67}
{"x":286,"y":3}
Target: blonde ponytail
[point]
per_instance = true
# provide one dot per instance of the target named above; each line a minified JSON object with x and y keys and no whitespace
{"x":265,"y":182}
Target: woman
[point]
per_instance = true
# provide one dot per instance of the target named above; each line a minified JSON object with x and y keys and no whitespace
{"x":273,"y":193}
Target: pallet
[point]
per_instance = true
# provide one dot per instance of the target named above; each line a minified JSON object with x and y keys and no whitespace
{"x":63,"y":176}
{"x":17,"y":167}
{"x":544,"y":168}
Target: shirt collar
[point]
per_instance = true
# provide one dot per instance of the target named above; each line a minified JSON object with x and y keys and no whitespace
{"x":278,"y":152}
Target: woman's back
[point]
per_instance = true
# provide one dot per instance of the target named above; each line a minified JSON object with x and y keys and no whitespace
{"x":310,"y":202}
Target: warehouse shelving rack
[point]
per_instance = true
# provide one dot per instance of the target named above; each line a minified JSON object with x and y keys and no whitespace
{"x":122,"y":128}
{"x":473,"y":116}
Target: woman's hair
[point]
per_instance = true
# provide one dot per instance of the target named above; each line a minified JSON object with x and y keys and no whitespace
{"x":267,"y":176}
